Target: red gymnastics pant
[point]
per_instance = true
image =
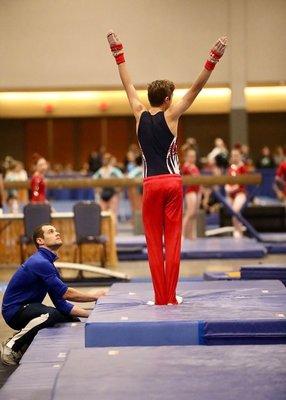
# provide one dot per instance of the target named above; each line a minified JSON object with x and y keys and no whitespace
{"x":162,"y":216}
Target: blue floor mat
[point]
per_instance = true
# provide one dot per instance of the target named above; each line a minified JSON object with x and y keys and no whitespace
{"x":31,"y":382}
{"x":53,"y":344}
{"x":222,"y":248}
{"x":201,"y":248}
{"x":274,"y":271}
{"x":227,"y":312}
{"x":275,"y":248}
{"x":184,"y":373}
{"x":265,"y":272}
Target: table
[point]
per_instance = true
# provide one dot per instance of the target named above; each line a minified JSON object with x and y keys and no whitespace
{"x":12,"y":227}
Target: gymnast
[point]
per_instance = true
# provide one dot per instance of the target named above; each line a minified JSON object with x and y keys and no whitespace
{"x":236,"y":194}
{"x":162,"y":184}
{"x":192,"y":196}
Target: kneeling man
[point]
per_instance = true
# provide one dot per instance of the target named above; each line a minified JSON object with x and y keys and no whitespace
{"x":22,"y":306}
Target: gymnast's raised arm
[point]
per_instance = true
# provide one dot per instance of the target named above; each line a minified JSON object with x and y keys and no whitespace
{"x":178,"y":108}
{"x":116,"y":48}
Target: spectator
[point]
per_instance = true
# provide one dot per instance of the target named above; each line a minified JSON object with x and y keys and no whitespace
{"x":236,"y":194}
{"x":129,"y":162}
{"x":109,"y":198}
{"x":280,"y":181}
{"x":38,"y":184}
{"x":220,"y":148}
{"x":135,"y":192}
{"x":265,"y":160}
{"x":95,"y":160}
{"x":84,"y":171}
{"x":279,"y":155}
{"x":16,"y":173}
{"x":248,"y":162}
{"x":69,"y":170}
{"x":192,"y":197}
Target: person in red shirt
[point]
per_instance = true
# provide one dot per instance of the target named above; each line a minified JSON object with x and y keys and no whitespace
{"x":280,"y":181}
{"x":38,"y":184}
{"x":236,"y":194}
{"x":192,"y":197}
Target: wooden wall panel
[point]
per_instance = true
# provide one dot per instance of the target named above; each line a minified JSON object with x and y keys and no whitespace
{"x":119,"y":136}
{"x":36,"y":139}
{"x":266,"y":129}
{"x":63,"y":141}
{"x":73,"y":139}
{"x":89,"y":131}
{"x":205,"y":128}
{"x":12,"y":139}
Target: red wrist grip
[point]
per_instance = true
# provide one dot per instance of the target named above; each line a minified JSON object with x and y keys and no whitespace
{"x":209,"y":65}
{"x":116,"y":47}
{"x":120,"y":58}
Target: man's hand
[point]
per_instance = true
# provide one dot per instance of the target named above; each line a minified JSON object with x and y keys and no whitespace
{"x":216,"y":53}
{"x":116,"y":47}
{"x":96,"y":294}
{"x":76,"y":295}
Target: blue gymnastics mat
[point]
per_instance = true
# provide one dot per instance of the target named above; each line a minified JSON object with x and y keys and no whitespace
{"x":51,"y":345}
{"x":184,"y":373}
{"x":203,"y":248}
{"x":223,"y":312}
{"x":270,"y":271}
{"x":31,"y":382}
{"x":259,"y":271}
{"x":275,"y":248}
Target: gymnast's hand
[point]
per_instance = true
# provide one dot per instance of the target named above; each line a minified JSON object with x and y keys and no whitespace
{"x":216,"y":53}
{"x":116,"y":47}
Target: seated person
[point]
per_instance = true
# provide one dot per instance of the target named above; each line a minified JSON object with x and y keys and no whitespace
{"x":22,"y":307}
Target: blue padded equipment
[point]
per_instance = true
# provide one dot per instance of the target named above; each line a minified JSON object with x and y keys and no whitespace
{"x":31,"y":381}
{"x":270,"y":271}
{"x":220,"y":247}
{"x":194,"y":372}
{"x":224,"y":311}
{"x":204,"y":248}
{"x":53,"y":344}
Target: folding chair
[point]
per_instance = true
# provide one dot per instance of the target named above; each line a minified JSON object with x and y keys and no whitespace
{"x":87,"y":220}
{"x":34,"y":215}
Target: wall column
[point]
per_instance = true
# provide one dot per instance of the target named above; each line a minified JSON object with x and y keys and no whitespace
{"x":237,"y":48}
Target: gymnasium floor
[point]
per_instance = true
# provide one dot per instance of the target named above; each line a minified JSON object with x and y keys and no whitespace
{"x":139,"y":269}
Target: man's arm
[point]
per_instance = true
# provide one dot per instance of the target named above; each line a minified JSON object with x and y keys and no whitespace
{"x":116,"y":48}
{"x":76,"y":295}
{"x":176,"y":110}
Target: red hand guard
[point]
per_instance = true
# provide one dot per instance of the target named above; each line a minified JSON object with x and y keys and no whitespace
{"x":215,"y":54}
{"x":116,"y":47}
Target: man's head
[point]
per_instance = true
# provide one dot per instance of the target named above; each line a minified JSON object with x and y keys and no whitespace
{"x":46,"y":235}
{"x":160,"y":93}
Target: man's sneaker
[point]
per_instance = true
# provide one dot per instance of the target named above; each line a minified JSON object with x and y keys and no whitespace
{"x":8,"y":356}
